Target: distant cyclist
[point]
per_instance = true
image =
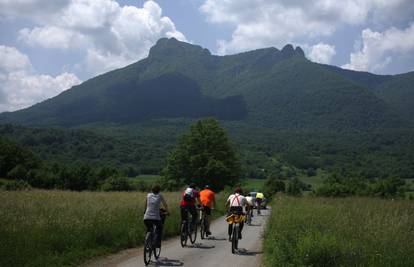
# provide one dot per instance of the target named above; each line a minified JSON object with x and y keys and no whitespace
{"x":234,"y":205}
{"x":152,"y":214}
{"x":208,"y":200}
{"x":187,"y":204}
{"x":250,"y":204}
{"x":259,"y":201}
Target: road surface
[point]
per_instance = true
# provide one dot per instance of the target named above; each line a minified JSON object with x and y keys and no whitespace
{"x":212,"y":252}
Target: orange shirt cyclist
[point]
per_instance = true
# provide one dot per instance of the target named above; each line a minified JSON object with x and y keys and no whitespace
{"x":208,"y":200}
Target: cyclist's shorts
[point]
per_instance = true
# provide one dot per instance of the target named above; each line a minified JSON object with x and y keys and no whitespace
{"x":235,"y":210}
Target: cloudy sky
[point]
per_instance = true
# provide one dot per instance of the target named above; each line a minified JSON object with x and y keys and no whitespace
{"x":47,"y":46}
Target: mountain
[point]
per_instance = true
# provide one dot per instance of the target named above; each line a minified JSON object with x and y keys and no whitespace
{"x":268,"y":87}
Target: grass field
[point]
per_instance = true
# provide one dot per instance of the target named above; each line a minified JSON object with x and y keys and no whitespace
{"x":254,"y":184}
{"x":57,"y":228}
{"x":340,"y":232}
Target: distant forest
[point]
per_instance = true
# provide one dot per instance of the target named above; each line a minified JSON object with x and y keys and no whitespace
{"x":50,"y":158}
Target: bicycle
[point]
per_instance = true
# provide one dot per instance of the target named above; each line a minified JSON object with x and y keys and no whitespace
{"x":235,"y":219}
{"x":186,"y":234}
{"x":249,"y":214}
{"x":202,"y":222}
{"x":150,"y":242}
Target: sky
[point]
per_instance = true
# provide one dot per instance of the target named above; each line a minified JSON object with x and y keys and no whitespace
{"x":48,"y":46}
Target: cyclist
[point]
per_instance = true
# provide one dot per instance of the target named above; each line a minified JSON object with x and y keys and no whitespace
{"x":208,"y":200}
{"x":152,"y":214}
{"x":187,"y":204}
{"x":250,"y":204}
{"x":234,"y":205}
{"x":259,"y":200}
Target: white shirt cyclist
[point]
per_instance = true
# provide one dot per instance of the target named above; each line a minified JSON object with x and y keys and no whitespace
{"x":237,"y":200}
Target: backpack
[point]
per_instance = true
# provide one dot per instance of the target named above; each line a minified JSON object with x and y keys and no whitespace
{"x":188,"y":195}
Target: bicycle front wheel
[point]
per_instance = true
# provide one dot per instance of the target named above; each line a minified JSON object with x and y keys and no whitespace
{"x":147,"y":248}
{"x":157,"y":252}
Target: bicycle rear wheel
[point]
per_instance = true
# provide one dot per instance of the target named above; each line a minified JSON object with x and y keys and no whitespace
{"x":147,"y":248}
{"x":193,"y":234}
{"x":235,"y":239}
{"x":184,"y":234}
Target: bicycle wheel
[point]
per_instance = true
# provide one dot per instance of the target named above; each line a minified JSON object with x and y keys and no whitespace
{"x":234,"y":239}
{"x":183,"y":234}
{"x":147,"y":248}
{"x":202,"y":228}
{"x":193,"y":234}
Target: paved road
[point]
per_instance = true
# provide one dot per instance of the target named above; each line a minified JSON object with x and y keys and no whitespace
{"x":216,"y":251}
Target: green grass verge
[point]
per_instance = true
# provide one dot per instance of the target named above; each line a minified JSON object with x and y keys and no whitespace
{"x":58,"y":228}
{"x":339,"y":232}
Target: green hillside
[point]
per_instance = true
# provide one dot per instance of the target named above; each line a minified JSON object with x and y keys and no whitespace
{"x":398,"y":92}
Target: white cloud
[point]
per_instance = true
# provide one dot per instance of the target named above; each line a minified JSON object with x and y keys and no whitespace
{"x":12,"y":60}
{"x":261,"y":23}
{"x":52,"y":37}
{"x":378,"y":49}
{"x":20,"y":87}
{"x":109,"y":35}
{"x":322,"y":53}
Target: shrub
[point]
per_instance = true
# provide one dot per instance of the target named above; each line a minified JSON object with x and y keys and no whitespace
{"x":272,"y":186}
{"x":295,"y":187}
{"x":16,"y":185}
{"x":116,"y":184}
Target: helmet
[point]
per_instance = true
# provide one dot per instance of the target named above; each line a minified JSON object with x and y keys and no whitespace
{"x":237,"y":190}
{"x":192,"y":185}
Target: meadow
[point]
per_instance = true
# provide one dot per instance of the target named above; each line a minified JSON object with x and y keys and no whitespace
{"x":58,"y":228}
{"x":339,"y":232}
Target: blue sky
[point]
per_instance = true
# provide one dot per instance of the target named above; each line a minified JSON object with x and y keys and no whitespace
{"x":48,"y":46}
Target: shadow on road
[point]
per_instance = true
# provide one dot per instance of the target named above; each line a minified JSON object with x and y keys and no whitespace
{"x":168,"y":262}
{"x":245,"y":252}
{"x":255,"y":224}
{"x":200,"y":245}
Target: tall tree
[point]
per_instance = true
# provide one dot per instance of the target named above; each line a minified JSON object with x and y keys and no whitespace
{"x":204,"y":155}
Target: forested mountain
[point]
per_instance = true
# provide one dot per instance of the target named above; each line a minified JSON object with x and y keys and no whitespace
{"x":268,"y":87}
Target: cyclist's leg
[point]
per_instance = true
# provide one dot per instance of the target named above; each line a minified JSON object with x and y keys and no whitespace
{"x":207,"y":211}
{"x":184,"y":214}
{"x":193,"y":212}
{"x":148,"y":224}
{"x":230,"y":229}
{"x":183,"y":210}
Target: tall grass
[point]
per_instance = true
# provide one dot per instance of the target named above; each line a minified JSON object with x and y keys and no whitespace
{"x":340,"y":232}
{"x":55,"y":228}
